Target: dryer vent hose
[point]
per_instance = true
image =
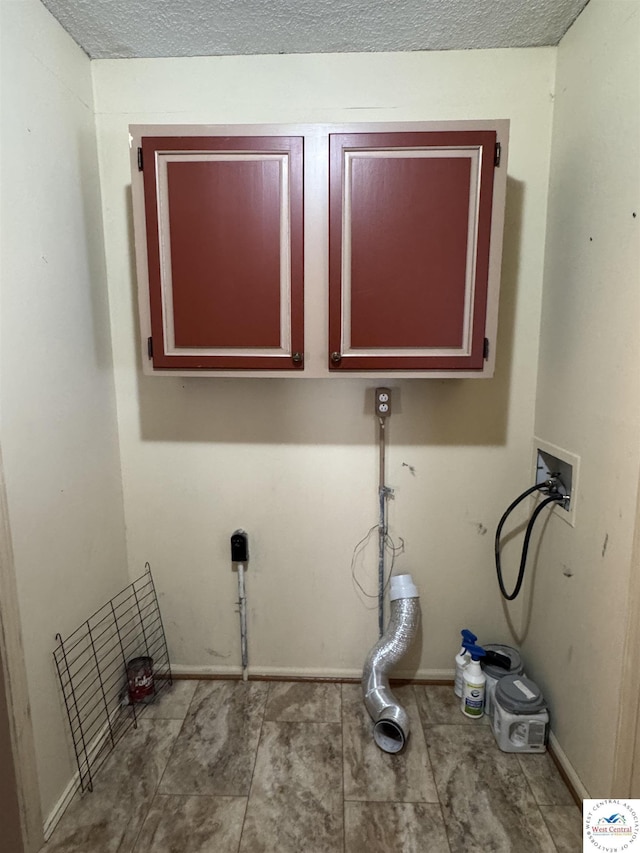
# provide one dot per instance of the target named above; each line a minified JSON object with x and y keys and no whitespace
{"x":390,"y":720}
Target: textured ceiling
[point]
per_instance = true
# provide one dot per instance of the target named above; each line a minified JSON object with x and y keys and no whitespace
{"x":128,"y":28}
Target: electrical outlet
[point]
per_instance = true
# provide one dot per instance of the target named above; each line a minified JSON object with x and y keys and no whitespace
{"x":383,"y":402}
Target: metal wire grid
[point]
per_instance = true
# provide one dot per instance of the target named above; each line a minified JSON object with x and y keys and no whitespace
{"x":92,"y":667}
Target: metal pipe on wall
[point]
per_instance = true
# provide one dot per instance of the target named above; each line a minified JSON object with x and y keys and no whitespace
{"x":242,"y":601}
{"x":382,"y":524}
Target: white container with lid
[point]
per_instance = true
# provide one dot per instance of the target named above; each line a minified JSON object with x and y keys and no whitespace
{"x":520,"y":716}
{"x":495,"y":673}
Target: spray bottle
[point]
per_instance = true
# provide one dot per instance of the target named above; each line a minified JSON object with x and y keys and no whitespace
{"x":462,"y":659}
{"x":472,"y":702}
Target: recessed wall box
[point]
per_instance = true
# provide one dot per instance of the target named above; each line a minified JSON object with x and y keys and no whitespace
{"x":550,"y":461}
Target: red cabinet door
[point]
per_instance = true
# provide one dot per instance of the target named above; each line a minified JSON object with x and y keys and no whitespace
{"x":409,"y":223}
{"x":224,"y":223}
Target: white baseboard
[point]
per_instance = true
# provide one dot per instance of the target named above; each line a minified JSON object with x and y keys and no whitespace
{"x":74,"y":784}
{"x":61,"y":806}
{"x":183,"y":670}
{"x":566,"y":765}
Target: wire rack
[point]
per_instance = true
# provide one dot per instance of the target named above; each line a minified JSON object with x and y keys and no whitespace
{"x":92,"y":666}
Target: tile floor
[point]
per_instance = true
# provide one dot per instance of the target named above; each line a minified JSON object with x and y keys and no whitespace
{"x":227,"y":767}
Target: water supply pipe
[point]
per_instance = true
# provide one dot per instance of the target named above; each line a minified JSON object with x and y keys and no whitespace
{"x":390,"y":720}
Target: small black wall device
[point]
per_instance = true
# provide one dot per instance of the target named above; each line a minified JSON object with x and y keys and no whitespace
{"x":239,"y":547}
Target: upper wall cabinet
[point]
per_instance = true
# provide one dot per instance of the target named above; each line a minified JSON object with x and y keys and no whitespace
{"x":316,"y":250}
{"x":224,"y":248}
{"x":410,"y":224}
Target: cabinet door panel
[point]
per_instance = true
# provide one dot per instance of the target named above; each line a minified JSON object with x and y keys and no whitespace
{"x":225,"y":255}
{"x":410,"y":221}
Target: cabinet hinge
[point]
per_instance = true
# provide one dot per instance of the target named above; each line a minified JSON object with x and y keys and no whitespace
{"x":485,"y":349}
{"x":140,"y":164}
{"x":498,"y":154}
{"x":150,"y":347}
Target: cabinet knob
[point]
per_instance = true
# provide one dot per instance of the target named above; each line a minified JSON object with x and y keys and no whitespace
{"x":297,"y":358}
{"x":336,"y":358}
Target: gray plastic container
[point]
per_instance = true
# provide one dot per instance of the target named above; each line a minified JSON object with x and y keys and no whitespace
{"x":520,"y":717}
{"x":517,"y":694}
{"x":495,"y":673}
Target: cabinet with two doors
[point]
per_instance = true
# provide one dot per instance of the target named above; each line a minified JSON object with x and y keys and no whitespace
{"x":319,"y":250}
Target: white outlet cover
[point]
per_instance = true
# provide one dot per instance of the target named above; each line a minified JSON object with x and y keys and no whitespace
{"x":569,"y":516}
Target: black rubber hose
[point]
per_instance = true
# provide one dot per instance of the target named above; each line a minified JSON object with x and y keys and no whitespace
{"x":527,"y":537}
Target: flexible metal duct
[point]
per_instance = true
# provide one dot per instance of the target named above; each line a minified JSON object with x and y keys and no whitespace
{"x":390,"y":720}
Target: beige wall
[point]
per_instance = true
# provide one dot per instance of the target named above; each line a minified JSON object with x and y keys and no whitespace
{"x":294,"y":462}
{"x":588,"y":398}
{"x":59,"y":437}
